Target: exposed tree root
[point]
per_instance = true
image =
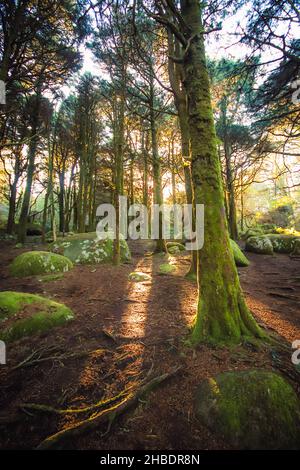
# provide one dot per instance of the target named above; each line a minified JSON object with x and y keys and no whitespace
{"x":104,"y":416}
{"x":37,"y":356}
{"x":57,"y":411}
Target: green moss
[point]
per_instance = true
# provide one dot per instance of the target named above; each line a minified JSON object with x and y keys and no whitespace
{"x":252,"y":232}
{"x":282,"y":243}
{"x":138,"y":276}
{"x":87,"y":249}
{"x":239,"y":257}
{"x":29,"y":314}
{"x":179,"y":246}
{"x":261,"y":245}
{"x":166,"y":268}
{"x":251,"y":409}
{"x":38,"y":262}
{"x":51,"y":277}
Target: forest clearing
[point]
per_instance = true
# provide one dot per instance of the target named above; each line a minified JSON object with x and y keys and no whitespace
{"x":149,"y":225}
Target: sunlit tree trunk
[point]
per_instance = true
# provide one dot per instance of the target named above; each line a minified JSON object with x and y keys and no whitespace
{"x":30,"y":169}
{"x":222,"y":315}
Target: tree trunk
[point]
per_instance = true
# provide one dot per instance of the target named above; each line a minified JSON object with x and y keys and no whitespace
{"x":222,"y":315}
{"x":161,"y":245}
{"x":30,"y":171}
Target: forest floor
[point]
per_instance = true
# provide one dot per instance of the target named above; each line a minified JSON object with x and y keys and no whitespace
{"x":123,"y":330}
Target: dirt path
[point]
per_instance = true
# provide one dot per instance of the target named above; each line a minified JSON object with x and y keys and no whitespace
{"x":147,"y":323}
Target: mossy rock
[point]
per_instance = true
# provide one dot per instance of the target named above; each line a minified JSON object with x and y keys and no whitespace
{"x":34,"y":229}
{"x":26,"y":314}
{"x":282,"y":243}
{"x":138,"y":276}
{"x":33,"y":263}
{"x":253,"y":409}
{"x":261,"y":245}
{"x":175,"y":247}
{"x":174,"y":250}
{"x":239,"y":257}
{"x":166,"y":268}
{"x":296,"y":249}
{"x":252,"y":232}
{"x":88,"y":249}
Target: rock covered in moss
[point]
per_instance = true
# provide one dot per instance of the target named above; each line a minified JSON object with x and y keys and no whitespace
{"x":33,"y":228}
{"x":251,"y":232}
{"x":296,"y":249}
{"x":253,"y":409}
{"x":175,"y":247}
{"x":33,"y":263}
{"x":88,"y":249}
{"x":138,"y":276}
{"x":239,"y":257}
{"x":261,"y":245}
{"x":282,"y":243}
{"x":166,"y":268}
{"x":25,"y":314}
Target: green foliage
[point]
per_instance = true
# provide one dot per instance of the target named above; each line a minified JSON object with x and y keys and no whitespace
{"x":33,"y":263}
{"x":25,"y":314}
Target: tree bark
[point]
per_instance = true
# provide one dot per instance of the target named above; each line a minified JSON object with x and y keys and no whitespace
{"x":222,"y":315}
{"x":30,"y":170}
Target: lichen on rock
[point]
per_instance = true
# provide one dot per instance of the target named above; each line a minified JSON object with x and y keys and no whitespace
{"x":33,"y":263}
{"x":261,"y":245}
{"x":88,"y":249}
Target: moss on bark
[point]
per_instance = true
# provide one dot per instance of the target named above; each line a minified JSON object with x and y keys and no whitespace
{"x":222,"y":316}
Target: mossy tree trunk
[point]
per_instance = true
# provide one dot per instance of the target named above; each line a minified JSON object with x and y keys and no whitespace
{"x":222,"y":315}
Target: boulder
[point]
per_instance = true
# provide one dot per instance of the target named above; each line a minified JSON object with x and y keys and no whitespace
{"x":176,"y":245}
{"x":166,"y":268}
{"x":86,"y":248}
{"x":33,"y":263}
{"x":253,"y":409}
{"x":138,"y":276}
{"x":296,"y":249}
{"x":282,"y":243}
{"x":33,"y":229}
{"x":261,"y":245}
{"x":173,"y":250}
{"x":251,"y":232}
{"x":239,"y":257}
{"x":25,"y":314}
